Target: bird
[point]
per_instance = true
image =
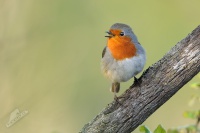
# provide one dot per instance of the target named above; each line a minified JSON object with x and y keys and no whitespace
{"x":123,"y":57}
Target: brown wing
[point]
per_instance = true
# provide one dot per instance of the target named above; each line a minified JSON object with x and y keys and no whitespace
{"x":104,"y":51}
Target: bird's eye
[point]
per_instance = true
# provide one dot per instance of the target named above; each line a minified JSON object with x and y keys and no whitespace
{"x":122,"y":34}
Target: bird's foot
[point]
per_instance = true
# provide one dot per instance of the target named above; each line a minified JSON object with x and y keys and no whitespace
{"x":136,"y":81}
{"x":116,"y":98}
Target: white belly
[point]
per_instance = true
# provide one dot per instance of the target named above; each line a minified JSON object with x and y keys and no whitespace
{"x":123,"y":70}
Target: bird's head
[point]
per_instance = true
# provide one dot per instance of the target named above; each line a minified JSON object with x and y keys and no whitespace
{"x":121,"y":32}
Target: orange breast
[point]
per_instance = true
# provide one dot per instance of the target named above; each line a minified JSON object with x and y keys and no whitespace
{"x":121,"y":47}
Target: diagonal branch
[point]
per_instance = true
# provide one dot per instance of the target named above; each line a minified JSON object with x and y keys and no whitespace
{"x":158,"y":84}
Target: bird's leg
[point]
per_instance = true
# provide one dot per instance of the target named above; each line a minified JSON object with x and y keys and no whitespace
{"x":117,"y":98}
{"x":136,"y":81}
{"x":115,"y":89}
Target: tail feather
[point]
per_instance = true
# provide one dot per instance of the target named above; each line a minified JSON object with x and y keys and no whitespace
{"x":115,"y":87}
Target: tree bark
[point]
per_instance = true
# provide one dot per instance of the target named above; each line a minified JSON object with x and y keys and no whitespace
{"x":157,"y":85}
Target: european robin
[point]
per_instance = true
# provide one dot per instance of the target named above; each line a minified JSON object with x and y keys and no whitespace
{"x":123,"y":57}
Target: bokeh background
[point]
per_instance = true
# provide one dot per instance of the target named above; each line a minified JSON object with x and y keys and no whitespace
{"x":50,"y":52}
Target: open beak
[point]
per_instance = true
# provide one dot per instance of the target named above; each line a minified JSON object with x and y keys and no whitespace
{"x":109,"y":34}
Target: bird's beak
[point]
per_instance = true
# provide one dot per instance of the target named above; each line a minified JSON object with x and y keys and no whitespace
{"x":109,"y":34}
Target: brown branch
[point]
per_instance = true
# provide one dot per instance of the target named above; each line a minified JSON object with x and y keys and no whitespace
{"x":158,"y":84}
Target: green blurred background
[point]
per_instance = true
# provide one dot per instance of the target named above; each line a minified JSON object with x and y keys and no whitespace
{"x":50,"y":52}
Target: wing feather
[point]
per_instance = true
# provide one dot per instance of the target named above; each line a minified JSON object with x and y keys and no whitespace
{"x":104,"y":51}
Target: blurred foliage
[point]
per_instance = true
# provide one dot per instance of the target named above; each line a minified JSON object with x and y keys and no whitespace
{"x":195,"y":97}
{"x":192,"y":114}
{"x":159,"y":129}
{"x":196,"y":85}
{"x":144,"y":129}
